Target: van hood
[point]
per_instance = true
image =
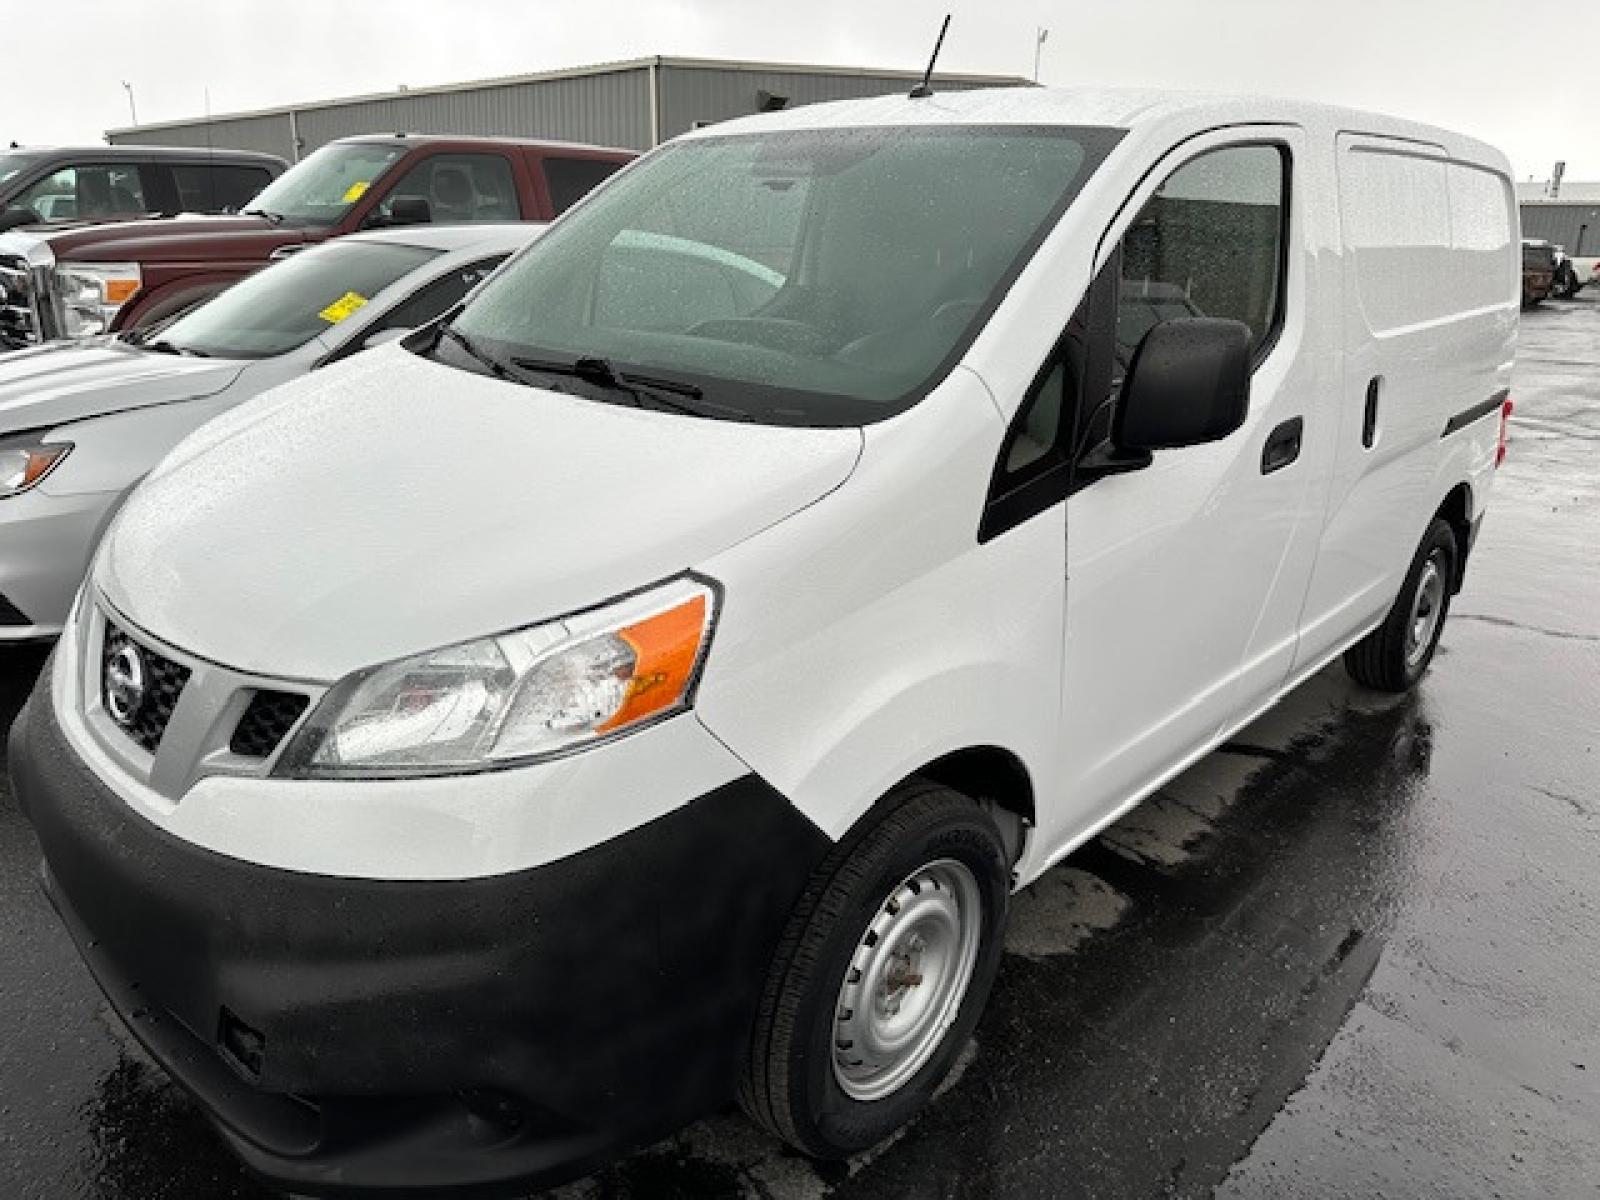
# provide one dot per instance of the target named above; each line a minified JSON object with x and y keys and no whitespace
{"x":392,"y":505}
{"x":61,"y":382}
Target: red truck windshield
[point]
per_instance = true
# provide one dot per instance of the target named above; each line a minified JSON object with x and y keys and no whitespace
{"x":321,"y":189}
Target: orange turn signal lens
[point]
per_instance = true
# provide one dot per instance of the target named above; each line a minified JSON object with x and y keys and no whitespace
{"x":120,"y":291}
{"x":39,"y":462}
{"x":666,"y":648}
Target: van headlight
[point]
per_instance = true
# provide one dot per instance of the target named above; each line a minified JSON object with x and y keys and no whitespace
{"x":516,"y":697}
{"x":25,"y":460}
{"x":89,"y":295}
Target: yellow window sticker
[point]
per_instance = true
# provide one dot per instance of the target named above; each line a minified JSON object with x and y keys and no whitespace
{"x":345,"y":307}
{"x":356,"y":190}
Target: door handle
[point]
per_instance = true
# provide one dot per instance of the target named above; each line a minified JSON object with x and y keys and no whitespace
{"x":1369,"y":420}
{"x":1283,"y":445}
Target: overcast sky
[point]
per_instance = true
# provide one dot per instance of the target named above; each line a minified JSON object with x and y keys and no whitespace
{"x":1520,"y":74}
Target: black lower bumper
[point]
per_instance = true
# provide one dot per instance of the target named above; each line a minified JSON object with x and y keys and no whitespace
{"x":355,"y":1035}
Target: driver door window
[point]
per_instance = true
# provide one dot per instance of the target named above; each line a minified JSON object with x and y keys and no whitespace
{"x":1209,"y":243}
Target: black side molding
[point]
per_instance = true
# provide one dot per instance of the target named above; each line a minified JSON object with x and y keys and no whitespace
{"x":1476,"y":413}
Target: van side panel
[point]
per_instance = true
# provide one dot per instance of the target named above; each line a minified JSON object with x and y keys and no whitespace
{"x":1429,"y":331}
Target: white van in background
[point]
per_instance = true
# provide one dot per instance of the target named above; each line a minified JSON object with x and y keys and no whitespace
{"x":648,"y":684}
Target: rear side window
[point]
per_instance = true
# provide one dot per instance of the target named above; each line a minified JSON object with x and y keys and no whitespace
{"x":1429,"y":238}
{"x":1209,"y":243}
{"x":214,"y":188}
{"x":88,"y":191}
{"x":432,"y":300}
{"x":571,"y":179}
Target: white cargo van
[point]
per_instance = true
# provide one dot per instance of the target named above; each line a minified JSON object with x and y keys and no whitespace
{"x":648,"y":685}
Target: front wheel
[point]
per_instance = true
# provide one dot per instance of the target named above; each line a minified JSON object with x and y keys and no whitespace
{"x":1393,"y":656}
{"x":881,"y":975}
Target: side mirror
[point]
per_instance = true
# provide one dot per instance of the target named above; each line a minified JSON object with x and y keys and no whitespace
{"x":1188,"y":383}
{"x":410,"y":210}
{"x":13,"y":217}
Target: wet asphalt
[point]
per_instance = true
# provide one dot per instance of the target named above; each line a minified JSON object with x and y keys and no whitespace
{"x":1353,"y":953}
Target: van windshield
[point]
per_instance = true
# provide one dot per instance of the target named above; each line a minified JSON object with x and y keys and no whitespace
{"x":802,"y":277}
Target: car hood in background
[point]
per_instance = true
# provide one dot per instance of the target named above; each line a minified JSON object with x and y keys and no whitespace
{"x":60,"y":382}
{"x":392,"y":505}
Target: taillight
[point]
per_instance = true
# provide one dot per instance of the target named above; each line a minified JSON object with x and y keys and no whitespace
{"x":1500,"y":446}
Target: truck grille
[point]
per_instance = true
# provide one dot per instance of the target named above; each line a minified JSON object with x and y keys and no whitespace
{"x":267,"y":722}
{"x":19,"y":308}
{"x":162,"y":683}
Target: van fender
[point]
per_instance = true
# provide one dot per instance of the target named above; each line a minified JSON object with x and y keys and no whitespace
{"x":885,"y":736}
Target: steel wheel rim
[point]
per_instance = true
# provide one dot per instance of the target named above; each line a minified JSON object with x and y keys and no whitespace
{"x":1427,"y":610}
{"x":907,"y":979}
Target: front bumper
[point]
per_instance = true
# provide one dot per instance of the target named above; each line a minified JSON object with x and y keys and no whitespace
{"x":366,"y":1035}
{"x":46,"y":543}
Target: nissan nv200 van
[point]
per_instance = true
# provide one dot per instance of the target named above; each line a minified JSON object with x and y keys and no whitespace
{"x":646,"y":685}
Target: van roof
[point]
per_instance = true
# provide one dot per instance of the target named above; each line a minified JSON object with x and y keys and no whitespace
{"x":1118,"y":108}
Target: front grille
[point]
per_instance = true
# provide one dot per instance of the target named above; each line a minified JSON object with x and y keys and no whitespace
{"x":19,"y":308}
{"x":266,"y":723}
{"x":163,"y":682}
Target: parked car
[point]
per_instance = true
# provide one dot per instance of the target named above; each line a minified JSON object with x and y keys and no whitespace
{"x":82,"y":422}
{"x":80,"y":282}
{"x":489,"y":752}
{"x":108,"y":183}
{"x":1538,"y":271}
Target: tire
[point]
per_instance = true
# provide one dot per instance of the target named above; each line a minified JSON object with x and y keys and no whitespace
{"x":933,"y":852}
{"x":1396,"y":654}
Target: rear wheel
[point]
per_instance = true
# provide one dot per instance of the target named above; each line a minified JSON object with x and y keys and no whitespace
{"x":1394,"y":656}
{"x":881,"y":975}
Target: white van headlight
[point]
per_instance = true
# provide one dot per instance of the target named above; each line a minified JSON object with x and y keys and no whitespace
{"x":515,"y":697}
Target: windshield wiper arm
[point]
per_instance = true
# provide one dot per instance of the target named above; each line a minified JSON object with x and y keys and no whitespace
{"x":272,"y":217}
{"x":672,"y":394}
{"x":473,"y":351}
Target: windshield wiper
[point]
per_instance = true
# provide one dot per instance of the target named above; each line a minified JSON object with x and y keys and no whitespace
{"x":479,"y":355}
{"x":671,"y":394}
{"x":272,"y":217}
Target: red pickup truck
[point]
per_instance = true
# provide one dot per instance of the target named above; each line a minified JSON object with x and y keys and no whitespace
{"x":79,"y":280}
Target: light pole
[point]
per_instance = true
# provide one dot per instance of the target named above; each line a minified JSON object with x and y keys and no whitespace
{"x":1040,"y":35}
{"x":133,"y":112}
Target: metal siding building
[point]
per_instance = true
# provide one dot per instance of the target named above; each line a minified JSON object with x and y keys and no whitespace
{"x":1572,"y":219}
{"x":635,"y":104}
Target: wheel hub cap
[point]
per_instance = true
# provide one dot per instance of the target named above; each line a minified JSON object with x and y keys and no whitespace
{"x":906,"y":980}
{"x":1427,"y":609}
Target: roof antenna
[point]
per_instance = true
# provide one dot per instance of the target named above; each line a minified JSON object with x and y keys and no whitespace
{"x":922,"y":89}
